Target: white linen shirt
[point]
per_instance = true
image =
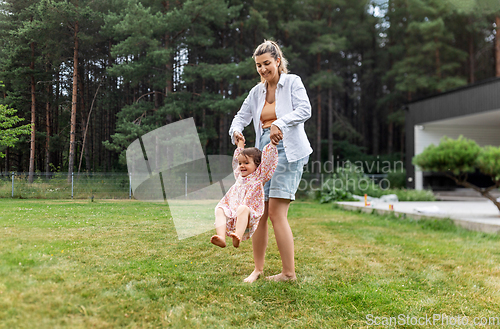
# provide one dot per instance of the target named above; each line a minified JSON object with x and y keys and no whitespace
{"x":292,"y":110}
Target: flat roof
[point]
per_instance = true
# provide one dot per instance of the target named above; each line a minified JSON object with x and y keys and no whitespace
{"x":455,"y":90}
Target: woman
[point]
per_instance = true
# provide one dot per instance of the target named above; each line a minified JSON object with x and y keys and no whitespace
{"x":278,"y":106}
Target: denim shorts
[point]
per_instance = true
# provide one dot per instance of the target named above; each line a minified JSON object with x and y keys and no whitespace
{"x":286,"y":178}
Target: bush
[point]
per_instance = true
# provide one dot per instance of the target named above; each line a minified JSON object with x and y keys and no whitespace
{"x":345,"y":182}
{"x":350,"y":180}
{"x":412,"y":195}
{"x":397,"y":179}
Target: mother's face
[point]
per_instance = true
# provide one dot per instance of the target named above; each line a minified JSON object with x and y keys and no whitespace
{"x":267,"y":66}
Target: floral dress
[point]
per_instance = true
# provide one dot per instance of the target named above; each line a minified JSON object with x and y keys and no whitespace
{"x":249,"y":191}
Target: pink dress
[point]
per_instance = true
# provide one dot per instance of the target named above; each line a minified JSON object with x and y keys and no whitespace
{"x":249,"y":191}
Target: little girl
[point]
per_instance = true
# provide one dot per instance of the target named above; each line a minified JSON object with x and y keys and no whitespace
{"x":238,"y":213}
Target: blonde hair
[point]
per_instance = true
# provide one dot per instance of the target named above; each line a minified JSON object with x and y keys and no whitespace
{"x":272,"y":48}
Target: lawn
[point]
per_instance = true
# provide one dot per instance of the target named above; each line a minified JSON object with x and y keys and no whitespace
{"x":108,"y":264}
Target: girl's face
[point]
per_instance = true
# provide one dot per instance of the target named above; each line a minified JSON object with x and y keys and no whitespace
{"x":267,"y":67}
{"x":246,"y":165}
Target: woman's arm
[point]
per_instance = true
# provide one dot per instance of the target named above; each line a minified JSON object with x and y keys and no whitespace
{"x":241,"y":119}
{"x":300,"y":105}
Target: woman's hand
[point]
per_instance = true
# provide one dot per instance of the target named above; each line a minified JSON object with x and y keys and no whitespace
{"x":276,"y":135}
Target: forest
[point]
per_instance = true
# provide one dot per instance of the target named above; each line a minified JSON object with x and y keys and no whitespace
{"x":82,"y":79}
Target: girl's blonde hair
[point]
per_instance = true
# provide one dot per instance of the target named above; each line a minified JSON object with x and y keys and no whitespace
{"x":272,"y":48}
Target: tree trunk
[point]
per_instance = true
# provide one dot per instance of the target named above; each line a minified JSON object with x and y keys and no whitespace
{"x":72,"y":134}
{"x":497,"y":47}
{"x":47,"y":128}
{"x":438,"y":62}
{"x":168,"y":65}
{"x":472,"y":68}
{"x":375,"y":131}
{"x":7,"y":157}
{"x":390,"y":131}
{"x":318,"y":118}
{"x":83,"y":120}
{"x":55,"y":120}
{"x":33,"y":116}
{"x":485,"y":192}
{"x":330,"y":125}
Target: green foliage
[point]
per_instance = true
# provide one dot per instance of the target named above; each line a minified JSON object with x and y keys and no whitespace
{"x":351,"y":180}
{"x":488,"y":162}
{"x":9,"y":132}
{"x":460,"y":156}
{"x":411,"y":195}
{"x":397,"y":179}
{"x":455,"y":156}
{"x":156,"y":62}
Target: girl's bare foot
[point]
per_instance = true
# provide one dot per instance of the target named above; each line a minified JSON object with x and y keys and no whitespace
{"x":236,"y":239}
{"x":282,"y":277}
{"x":254,"y":276}
{"x":218,"y":241}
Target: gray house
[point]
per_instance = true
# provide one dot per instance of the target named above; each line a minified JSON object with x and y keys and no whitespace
{"x":472,"y":111}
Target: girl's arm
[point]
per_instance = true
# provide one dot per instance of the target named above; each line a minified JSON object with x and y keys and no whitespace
{"x":268,"y":163}
{"x":240,"y":143}
{"x":236,"y":167}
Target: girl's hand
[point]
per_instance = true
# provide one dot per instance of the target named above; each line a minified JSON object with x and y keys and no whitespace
{"x":238,"y":136}
{"x":276,"y":135}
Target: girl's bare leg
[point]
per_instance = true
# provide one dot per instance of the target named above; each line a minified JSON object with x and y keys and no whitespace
{"x":242,"y":218}
{"x":220,"y":228}
{"x":278,"y":213}
{"x":259,"y":245}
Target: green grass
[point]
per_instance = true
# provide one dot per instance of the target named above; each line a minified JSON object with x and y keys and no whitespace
{"x":108,"y":264}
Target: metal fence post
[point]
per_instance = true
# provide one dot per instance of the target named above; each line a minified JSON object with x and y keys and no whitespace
{"x":130,"y":186}
{"x":72,"y":185}
{"x":12,"y":184}
{"x":186,"y":186}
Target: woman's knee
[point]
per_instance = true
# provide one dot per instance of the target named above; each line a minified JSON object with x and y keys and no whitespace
{"x":276,"y":216}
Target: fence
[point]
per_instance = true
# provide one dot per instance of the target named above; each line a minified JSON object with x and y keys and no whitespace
{"x":85,"y":185}
{"x":58,"y":186}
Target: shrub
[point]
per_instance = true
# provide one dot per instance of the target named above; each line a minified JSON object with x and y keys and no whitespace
{"x":397,"y":179}
{"x":350,"y":180}
{"x":456,"y":158}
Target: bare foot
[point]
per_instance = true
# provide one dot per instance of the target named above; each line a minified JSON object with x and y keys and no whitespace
{"x":218,"y":241}
{"x":236,"y":239}
{"x":254,"y":276}
{"x":281,"y":277}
